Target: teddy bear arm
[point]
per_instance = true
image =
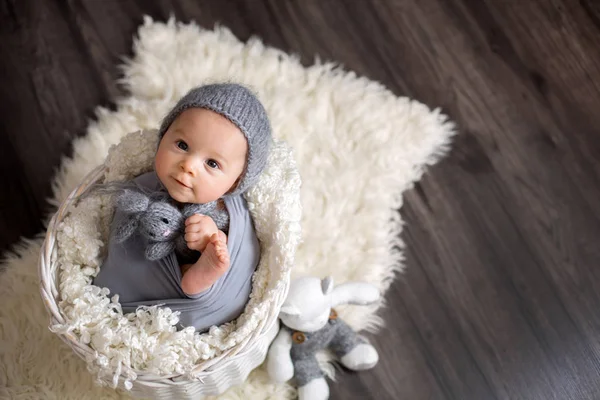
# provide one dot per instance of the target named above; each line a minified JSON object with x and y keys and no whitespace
{"x":360,"y":293}
{"x":279,"y":360}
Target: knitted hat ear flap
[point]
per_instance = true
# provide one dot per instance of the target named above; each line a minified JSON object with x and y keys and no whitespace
{"x":240,"y":106}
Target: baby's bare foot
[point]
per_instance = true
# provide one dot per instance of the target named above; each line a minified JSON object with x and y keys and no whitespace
{"x":215,"y":256}
{"x":211,"y":265}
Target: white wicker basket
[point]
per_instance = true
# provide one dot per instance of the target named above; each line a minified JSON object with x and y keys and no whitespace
{"x":212,"y":377}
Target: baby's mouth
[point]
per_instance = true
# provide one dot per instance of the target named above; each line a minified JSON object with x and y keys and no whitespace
{"x":181,"y":183}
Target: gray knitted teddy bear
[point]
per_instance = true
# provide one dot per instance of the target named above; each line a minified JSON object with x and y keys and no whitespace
{"x":310,"y":325}
{"x":161,"y":223}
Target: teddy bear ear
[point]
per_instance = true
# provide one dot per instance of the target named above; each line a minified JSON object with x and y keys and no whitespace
{"x":290,"y":310}
{"x":327,"y":285}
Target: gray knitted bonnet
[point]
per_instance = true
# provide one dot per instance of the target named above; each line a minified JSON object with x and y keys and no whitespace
{"x":239,"y":105}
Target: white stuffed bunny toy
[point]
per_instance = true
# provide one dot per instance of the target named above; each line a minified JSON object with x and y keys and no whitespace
{"x":310,"y":324}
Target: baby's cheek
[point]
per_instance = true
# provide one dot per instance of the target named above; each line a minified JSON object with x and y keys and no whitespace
{"x":161,"y":163}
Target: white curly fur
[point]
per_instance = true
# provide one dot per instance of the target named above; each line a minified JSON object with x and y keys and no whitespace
{"x":357,"y":146}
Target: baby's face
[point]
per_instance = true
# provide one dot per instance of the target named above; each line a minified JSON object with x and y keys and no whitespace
{"x":201,"y":156}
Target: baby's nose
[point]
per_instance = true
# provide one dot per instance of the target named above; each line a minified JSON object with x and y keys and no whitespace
{"x":190,"y":166}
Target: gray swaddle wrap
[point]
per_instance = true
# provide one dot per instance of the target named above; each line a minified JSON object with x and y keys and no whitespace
{"x":138,"y":281}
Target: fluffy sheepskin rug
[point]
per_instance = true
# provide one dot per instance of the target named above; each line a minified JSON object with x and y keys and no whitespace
{"x":357,"y":146}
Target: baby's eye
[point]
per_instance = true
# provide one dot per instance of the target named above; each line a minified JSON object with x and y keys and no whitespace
{"x":182,"y":145}
{"x":212,"y":164}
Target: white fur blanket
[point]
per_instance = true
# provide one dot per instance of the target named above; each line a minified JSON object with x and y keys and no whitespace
{"x":357,"y":146}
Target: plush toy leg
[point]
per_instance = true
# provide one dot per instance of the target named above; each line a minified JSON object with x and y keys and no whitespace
{"x":306,"y":369}
{"x":354,"y":352}
{"x":310,"y":379}
{"x":364,"y":356}
{"x":317,"y":389}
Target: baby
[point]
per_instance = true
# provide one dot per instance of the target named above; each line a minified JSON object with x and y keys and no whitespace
{"x":213,"y":146}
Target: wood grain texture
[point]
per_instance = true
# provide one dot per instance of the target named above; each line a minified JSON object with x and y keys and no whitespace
{"x":500,"y":298}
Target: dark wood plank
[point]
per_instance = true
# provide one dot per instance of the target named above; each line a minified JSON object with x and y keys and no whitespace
{"x":499,"y":300}
{"x":516,"y":183}
{"x":509,"y":189}
{"x":46,"y":99}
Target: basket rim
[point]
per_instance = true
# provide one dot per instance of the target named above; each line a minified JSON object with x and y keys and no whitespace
{"x":48,"y":276}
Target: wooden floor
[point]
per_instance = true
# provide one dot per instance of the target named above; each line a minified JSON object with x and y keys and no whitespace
{"x":501,"y":297}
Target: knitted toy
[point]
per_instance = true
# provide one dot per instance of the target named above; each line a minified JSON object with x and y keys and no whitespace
{"x":310,"y":324}
{"x":161,"y":223}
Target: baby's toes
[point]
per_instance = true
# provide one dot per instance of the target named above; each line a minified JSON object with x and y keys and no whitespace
{"x":222,"y":253}
{"x":219,"y":244}
{"x":215,"y":239}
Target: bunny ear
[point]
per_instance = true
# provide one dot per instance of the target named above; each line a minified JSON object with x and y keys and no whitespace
{"x":290,"y":309}
{"x":327,"y":285}
{"x":126,"y":228}
{"x":156,"y":251}
{"x":131,"y":201}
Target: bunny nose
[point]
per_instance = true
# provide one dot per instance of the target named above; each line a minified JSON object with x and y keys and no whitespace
{"x":167,"y":232}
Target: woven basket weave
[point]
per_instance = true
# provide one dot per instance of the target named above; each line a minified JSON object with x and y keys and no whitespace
{"x":212,"y":377}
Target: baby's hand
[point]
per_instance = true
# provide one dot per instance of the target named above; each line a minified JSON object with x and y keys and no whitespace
{"x":198,"y":230}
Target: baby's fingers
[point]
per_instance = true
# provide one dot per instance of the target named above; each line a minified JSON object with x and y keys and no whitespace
{"x":193,"y":228}
{"x":202,"y":226}
{"x":194,"y":219}
{"x":193,"y":236}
